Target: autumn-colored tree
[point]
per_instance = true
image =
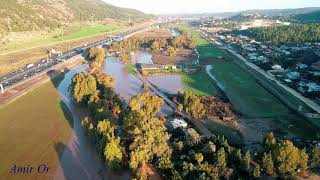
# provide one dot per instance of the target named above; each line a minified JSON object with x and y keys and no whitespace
{"x":198,"y":157}
{"x":146,"y":105}
{"x":289,"y":158}
{"x":113,"y":154}
{"x":221,"y":159}
{"x":106,"y":129}
{"x":256,"y":171}
{"x":196,"y":108}
{"x":82,"y":87}
{"x":96,"y":56}
{"x":105,"y":80}
{"x":180,"y":107}
{"x":267,"y":163}
{"x":163,"y":42}
{"x":194,"y":137}
{"x":269,"y":141}
{"x":171,"y":51}
{"x":246,"y":161}
{"x":155,"y":46}
{"x":125,"y":57}
{"x":147,"y":134}
{"x":315,"y":157}
{"x":210,"y":148}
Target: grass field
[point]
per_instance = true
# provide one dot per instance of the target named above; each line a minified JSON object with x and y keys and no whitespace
{"x":30,"y":39}
{"x":199,"y":84}
{"x":131,"y":69}
{"x":245,"y":93}
{"x":31,"y":127}
{"x":13,"y":61}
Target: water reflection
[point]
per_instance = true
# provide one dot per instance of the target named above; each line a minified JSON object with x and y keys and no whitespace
{"x":142,"y":57}
{"x":167,"y":83}
{"x":126,"y":84}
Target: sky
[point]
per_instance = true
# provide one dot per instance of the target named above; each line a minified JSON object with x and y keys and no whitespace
{"x":202,"y":6}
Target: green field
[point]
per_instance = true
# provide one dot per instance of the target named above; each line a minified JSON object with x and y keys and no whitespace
{"x":199,"y":84}
{"x":244,"y":92}
{"x":131,"y":69}
{"x":31,"y":127}
{"x":34,"y":39}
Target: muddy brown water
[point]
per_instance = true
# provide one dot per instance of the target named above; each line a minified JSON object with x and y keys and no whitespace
{"x":127,"y":85}
{"x":79,"y":159}
{"x":167,"y":83}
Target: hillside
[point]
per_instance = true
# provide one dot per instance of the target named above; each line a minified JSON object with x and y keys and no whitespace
{"x":27,"y":15}
{"x":312,"y":17}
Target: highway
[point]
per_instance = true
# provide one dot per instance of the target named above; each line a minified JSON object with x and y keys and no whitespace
{"x":43,"y":65}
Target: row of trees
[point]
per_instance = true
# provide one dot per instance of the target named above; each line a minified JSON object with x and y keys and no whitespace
{"x":184,"y":40}
{"x":143,"y":139}
{"x":298,"y":33}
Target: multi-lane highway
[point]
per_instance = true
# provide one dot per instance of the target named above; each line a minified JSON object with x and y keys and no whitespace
{"x":43,"y":65}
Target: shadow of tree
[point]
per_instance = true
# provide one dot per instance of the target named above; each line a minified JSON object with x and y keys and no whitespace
{"x":66,"y":112}
{"x":57,"y":76}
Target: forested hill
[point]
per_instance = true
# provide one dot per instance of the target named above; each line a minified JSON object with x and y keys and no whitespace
{"x":297,"y":33}
{"x":26,"y":15}
{"x":312,"y":17}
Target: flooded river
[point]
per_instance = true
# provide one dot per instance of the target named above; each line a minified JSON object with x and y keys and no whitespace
{"x":128,"y":85}
{"x":167,"y":83}
{"x":79,"y":159}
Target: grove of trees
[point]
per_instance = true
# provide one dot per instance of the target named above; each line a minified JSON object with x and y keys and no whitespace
{"x":297,"y":33}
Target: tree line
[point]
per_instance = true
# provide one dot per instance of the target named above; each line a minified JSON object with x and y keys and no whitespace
{"x":297,"y":33}
{"x":171,"y":45}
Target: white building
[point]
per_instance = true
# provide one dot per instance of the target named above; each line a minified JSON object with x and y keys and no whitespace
{"x":178,"y":123}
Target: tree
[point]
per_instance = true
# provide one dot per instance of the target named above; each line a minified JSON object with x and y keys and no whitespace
{"x":105,"y":80}
{"x":125,"y":57}
{"x":113,"y":154}
{"x":147,"y":134}
{"x":178,"y":145}
{"x":221,"y":159}
{"x":269,"y":141}
{"x":246,"y":161}
{"x":171,"y":51}
{"x":210,"y":148}
{"x":106,"y":129}
{"x":267,"y":163}
{"x":289,"y":158}
{"x":256,"y":171}
{"x":196,"y":108}
{"x":180,"y":107}
{"x":315,"y":157}
{"x":194,"y":137}
{"x":146,"y":105}
{"x":303,"y":163}
{"x":82,"y":87}
{"x":199,"y":158}
{"x":96,"y":56}
{"x":155,"y":46}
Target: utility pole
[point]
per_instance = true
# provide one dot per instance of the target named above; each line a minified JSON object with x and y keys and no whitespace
{"x":2,"y":89}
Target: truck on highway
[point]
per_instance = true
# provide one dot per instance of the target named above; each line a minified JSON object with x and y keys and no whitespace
{"x":29,"y":65}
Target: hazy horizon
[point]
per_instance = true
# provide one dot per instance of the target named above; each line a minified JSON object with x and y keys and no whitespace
{"x":209,"y":6}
